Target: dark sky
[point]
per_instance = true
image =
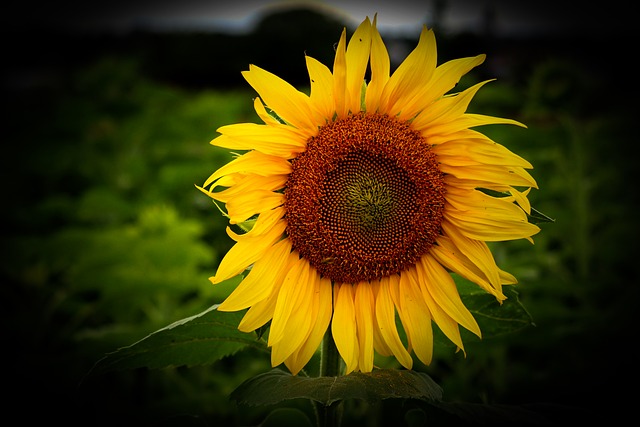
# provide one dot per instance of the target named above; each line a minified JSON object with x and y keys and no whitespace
{"x":612,"y":17}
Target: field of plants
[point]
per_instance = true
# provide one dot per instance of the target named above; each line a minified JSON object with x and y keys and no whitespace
{"x":105,"y":239}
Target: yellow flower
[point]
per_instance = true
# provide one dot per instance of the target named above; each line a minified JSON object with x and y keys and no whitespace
{"x":366,"y":196}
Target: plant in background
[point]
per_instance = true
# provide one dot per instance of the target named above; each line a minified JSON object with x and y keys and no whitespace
{"x":359,"y":204}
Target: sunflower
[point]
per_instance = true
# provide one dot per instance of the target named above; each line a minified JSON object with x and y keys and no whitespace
{"x":362,"y":198}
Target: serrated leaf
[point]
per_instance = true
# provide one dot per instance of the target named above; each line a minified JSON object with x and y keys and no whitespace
{"x":276,"y":385}
{"x":499,"y":319}
{"x":494,"y":319}
{"x":197,"y":340}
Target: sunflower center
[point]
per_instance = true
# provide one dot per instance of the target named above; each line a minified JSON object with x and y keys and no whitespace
{"x":363,"y":193}
{"x":365,"y":200}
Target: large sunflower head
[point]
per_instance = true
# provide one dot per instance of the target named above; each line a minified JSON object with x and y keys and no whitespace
{"x":363,"y":197}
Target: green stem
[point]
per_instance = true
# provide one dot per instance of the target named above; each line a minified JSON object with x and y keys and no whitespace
{"x":329,"y":415}
{"x":330,"y":361}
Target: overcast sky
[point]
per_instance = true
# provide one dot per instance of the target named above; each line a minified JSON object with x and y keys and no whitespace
{"x":510,"y":17}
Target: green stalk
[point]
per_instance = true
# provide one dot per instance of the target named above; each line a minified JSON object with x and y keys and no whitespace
{"x":330,"y":361}
{"x":329,"y":415}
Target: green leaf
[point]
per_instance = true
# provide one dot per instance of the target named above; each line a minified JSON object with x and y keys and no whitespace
{"x":197,"y":340}
{"x":276,"y":385}
{"x":494,"y":319}
{"x":247,"y":225}
{"x":537,"y":217}
{"x":497,"y":319}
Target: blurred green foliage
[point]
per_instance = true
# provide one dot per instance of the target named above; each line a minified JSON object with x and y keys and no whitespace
{"x":106,"y":239}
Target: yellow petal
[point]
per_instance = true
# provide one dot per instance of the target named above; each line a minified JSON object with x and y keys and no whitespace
{"x":340,"y":77}
{"x":258,"y":315}
{"x":262,"y":311}
{"x":293,"y":286}
{"x":446,"y":109}
{"x":263,"y":225}
{"x":489,"y":230}
{"x":504,"y":175}
{"x":260,"y":281}
{"x":446,"y":324}
{"x":321,"y":318}
{"x":473,"y":152}
{"x":343,"y":325}
{"x":292,"y":317}
{"x":262,"y":112}
{"x":416,"y":318}
{"x":379,"y":344}
{"x":357,"y":58}
{"x":364,"y":305}
{"x":402,"y":90}
{"x":385,"y":314}
{"x":466,"y":121}
{"x":394,"y":289}
{"x":276,"y":133}
{"x":521,"y":198}
{"x":475,"y":203}
{"x":244,"y":206}
{"x":244,"y":183}
{"x":447,"y":75}
{"x":251,"y":246}
{"x":473,"y":184}
{"x":507,"y":278}
{"x":224,"y":181}
{"x":289,"y":104}
{"x":472,"y":210}
{"x":447,"y":254}
{"x":380,"y":67}
{"x":276,"y":140}
{"x":252,"y":162}
{"x":321,"y":89}
{"x":445,"y":293}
